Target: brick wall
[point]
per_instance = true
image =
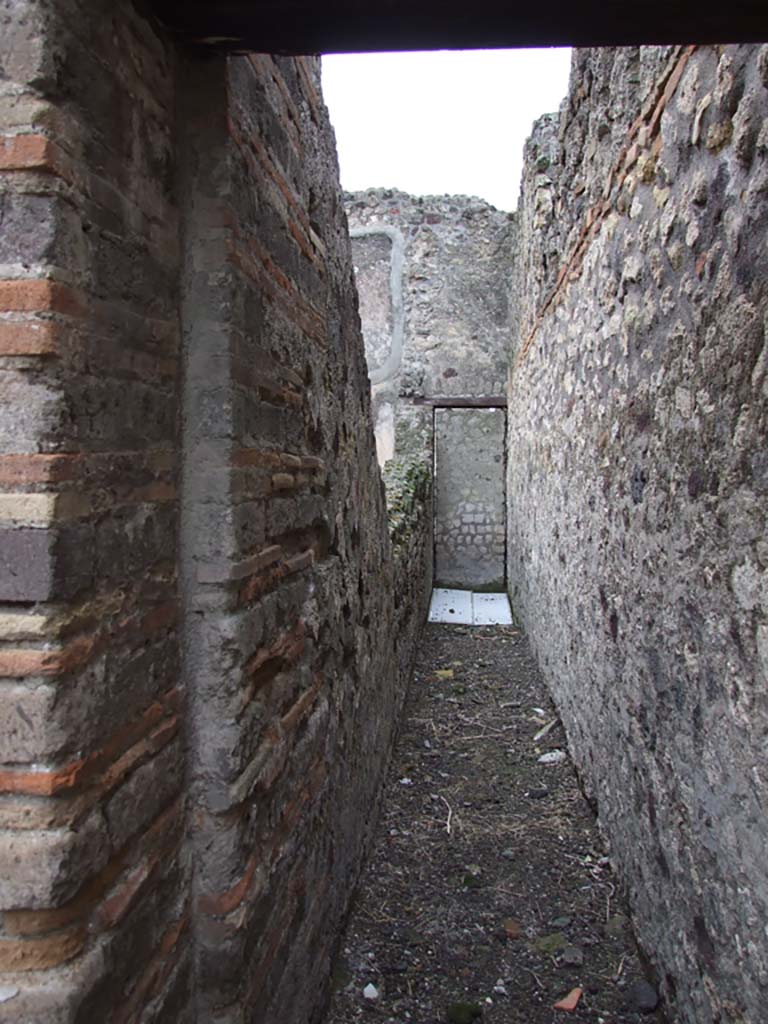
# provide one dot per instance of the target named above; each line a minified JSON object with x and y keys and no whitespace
{"x":90,"y":805}
{"x":198,"y":681}
{"x":637,"y":523}
{"x":285,"y":544}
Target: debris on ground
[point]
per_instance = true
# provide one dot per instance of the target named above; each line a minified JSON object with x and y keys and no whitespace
{"x":642,"y":996}
{"x":553,"y":757}
{"x":569,"y":1002}
{"x":488,"y":895}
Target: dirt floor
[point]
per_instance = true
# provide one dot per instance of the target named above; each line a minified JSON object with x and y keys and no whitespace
{"x":487,"y":896}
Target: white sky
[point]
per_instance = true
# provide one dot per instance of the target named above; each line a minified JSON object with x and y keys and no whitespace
{"x":441,"y":122}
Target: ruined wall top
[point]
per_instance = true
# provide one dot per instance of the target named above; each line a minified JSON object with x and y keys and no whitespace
{"x":453,"y":255}
{"x":433,"y":277}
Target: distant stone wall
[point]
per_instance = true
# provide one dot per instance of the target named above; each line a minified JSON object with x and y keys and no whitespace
{"x":434,"y":277}
{"x":446,"y":261}
{"x":638,"y":403}
{"x":201,"y":661}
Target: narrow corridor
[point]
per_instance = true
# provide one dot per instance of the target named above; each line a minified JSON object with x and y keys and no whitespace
{"x":487,"y":894}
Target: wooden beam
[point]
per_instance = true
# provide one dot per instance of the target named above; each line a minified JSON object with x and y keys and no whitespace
{"x":463,"y":402}
{"x":339,"y":26}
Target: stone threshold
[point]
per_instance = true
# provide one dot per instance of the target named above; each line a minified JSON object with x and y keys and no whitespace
{"x":465,"y":607}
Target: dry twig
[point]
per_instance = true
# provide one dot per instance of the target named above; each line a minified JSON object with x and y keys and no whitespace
{"x":534,"y":976}
{"x":450,"y":815}
{"x":608,"y":900}
{"x":543,"y":732}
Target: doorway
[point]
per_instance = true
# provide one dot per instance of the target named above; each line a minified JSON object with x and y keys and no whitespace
{"x":470,"y":506}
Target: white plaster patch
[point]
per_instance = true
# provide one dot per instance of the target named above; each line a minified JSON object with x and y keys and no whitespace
{"x":683,"y":402}
{"x":451,"y":606}
{"x":491,"y":610}
{"x":385,"y":433}
{"x":762,"y":650}
{"x":745,"y":583}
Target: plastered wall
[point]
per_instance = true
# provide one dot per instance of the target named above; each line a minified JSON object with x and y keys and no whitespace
{"x":469,"y":498}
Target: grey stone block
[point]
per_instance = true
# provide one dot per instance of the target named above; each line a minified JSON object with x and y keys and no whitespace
{"x":27,"y":564}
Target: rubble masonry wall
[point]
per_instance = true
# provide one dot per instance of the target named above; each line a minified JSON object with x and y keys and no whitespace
{"x":637,"y":510}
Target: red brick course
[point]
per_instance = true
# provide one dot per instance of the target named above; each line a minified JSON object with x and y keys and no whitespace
{"x":36,"y":295}
{"x":33,"y":153}
{"x":18,"y":664}
{"x":30,"y":338}
{"x":43,"y":953}
{"x":104,"y":768}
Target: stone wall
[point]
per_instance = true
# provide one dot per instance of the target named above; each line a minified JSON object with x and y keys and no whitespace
{"x":198,"y":676}
{"x":205,"y":628}
{"x":289,"y":653}
{"x":637,"y":517}
{"x":409,"y":494}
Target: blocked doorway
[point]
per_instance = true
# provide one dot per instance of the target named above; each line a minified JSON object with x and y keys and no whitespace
{"x":470,"y":506}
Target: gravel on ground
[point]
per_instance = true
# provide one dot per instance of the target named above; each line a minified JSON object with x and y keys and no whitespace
{"x":487,"y":895}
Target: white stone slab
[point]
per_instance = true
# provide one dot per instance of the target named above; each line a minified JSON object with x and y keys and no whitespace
{"x":468,"y":609}
{"x":491,"y":610}
{"x":451,"y":606}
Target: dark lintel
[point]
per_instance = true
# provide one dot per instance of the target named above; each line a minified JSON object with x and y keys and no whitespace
{"x":338,"y":26}
{"x":463,"y":402}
